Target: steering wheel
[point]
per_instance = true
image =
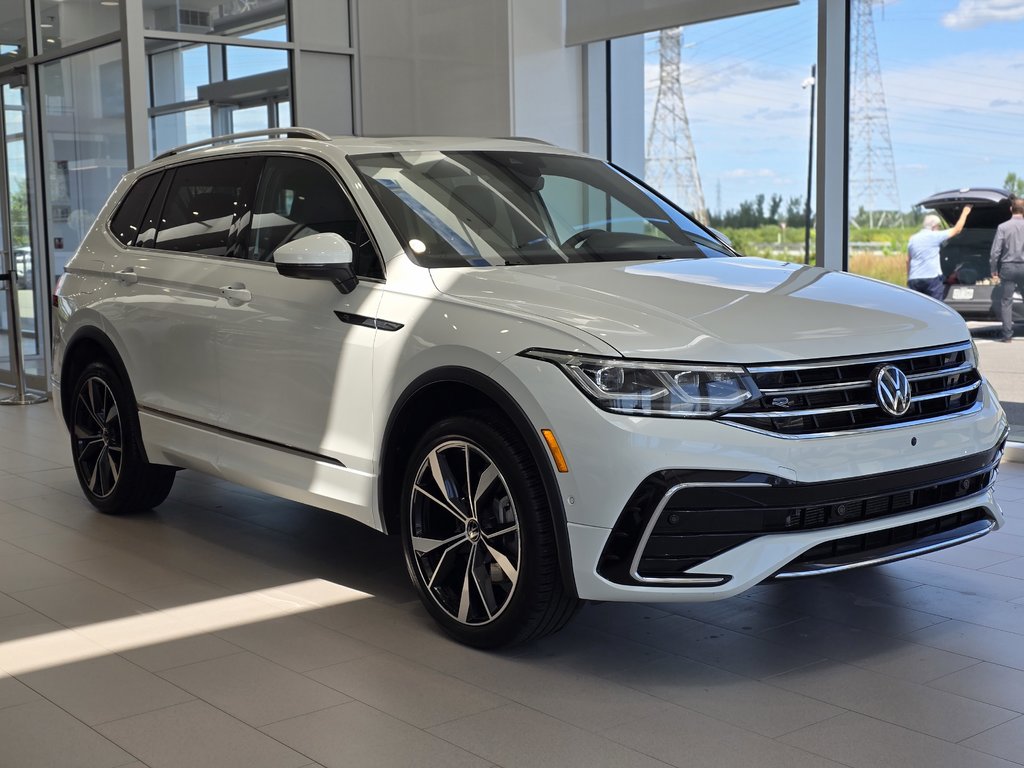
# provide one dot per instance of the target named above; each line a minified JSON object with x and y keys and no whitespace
{"x":580,"y":238}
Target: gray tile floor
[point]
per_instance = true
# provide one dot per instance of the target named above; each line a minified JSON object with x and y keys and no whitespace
{"x":231,"y":629}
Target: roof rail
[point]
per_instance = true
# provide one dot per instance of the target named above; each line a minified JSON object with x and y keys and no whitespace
{"x":291,"y":133}
{"x":527,"y":138}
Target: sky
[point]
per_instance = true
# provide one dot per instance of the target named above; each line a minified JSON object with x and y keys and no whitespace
{"x":953,"y":79}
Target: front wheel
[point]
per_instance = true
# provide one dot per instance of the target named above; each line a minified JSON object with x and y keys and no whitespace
{"x":478,"y":535}
{"x":107,"y":446}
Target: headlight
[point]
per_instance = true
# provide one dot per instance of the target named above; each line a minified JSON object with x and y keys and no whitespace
{"x":974,"y":358}
{"x":650,"y":388}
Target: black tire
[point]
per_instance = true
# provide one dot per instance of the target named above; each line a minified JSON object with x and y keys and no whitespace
{"x":106,"y":446}
{"x":482,"y":556}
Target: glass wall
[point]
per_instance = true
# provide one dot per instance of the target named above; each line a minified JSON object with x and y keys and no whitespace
{"x":935,"y":107}
{"x":728,"y":125}
{"x":200,"y":90}
{"x":83,"y":142}
{"x":18,"y":206}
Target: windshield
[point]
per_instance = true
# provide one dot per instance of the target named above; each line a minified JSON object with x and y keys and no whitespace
{"x":483,"y":209}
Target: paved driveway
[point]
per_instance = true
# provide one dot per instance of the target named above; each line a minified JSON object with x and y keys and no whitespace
{"x":1003,"y":365}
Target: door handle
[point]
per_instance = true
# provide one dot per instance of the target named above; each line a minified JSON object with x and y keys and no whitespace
{"x":236,"y":292}
{"x":127,"y":276}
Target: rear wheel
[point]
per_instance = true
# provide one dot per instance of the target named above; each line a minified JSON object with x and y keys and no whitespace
{"x":478,"y":535}
{"x":107,"y":447}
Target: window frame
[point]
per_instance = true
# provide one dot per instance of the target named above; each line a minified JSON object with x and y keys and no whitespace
{"x":172,"y":169}
{"x":124,"y":198}
{"x":234,"y":237}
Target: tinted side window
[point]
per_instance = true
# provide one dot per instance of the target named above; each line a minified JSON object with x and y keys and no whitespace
{"x":126,"y":222}
{"x":207,"y":204}
{"x":151,"y":221}
{"x":300,"y":197}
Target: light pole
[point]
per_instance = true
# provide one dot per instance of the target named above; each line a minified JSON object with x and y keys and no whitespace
{"x":810,"y":82}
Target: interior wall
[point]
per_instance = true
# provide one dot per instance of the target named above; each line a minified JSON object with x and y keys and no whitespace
{"x":547,"y":77}
{"x":627,"y":106}
{"x":435,"y":67}
{"x":591,"y":20}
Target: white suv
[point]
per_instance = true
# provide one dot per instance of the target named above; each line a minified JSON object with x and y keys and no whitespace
{"x":552,"y":383}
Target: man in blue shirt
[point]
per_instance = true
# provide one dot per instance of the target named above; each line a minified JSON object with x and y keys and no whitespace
{"x":924,"y":272}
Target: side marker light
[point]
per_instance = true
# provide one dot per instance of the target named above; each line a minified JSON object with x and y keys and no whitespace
{"x":556,"y":452}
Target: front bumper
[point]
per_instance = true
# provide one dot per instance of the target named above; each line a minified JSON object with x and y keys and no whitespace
{"x":611,"y":457}
{"x":677,"y":524}
{"x":780,"y":555}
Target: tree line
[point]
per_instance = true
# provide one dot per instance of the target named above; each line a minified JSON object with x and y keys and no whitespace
{"x":764,"y":210}
{"x":760,"y":211}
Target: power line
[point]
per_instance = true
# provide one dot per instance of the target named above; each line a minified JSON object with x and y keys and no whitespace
{"x":872,"y":169}
{"x":671,"y":162}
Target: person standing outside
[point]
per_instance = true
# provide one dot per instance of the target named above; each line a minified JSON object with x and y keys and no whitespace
{"x":924,"y":272}
{"x":1007,"y":262}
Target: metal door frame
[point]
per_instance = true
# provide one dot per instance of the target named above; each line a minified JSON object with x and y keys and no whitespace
{"x":40,"y":258}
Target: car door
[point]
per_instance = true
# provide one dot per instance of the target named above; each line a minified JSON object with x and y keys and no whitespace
{"x":294,"y":367}
{"x":167,"y":289}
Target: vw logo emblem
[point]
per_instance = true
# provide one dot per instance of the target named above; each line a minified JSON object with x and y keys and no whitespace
{"x":892,"y":389}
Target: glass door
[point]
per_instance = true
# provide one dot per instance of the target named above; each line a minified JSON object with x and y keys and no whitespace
{"x":23,"y":258}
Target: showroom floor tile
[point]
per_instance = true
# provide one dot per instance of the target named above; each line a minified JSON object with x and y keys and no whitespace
{"x":228,"y":628}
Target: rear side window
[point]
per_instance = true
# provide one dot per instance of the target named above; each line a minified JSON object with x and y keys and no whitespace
{"x":125,"y":224}
{"x":208,"y":204}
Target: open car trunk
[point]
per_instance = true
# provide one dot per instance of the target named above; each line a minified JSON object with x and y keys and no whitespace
{"x":970,"y":289}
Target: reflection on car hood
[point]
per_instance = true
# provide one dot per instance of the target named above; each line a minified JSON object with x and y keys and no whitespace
{"x":741,"y":310}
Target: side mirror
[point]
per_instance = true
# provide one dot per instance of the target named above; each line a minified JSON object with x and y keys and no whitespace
{"x":324,"y":256}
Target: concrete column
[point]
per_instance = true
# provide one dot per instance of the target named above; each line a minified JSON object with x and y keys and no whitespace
{"x":832,"y":210}
{"x":136,"y":94}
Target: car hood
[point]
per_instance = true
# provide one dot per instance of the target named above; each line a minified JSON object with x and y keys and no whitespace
{"x":739,"y":310}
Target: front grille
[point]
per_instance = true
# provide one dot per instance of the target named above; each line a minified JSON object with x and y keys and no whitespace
{"x":821,"y":397}
{"x":678,"y":519}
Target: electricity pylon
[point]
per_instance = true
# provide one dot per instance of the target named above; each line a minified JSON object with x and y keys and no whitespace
{"x":872,"y":169}
{"x":671,"y":161}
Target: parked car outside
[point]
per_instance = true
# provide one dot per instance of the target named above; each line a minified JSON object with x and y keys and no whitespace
{"x":970,"y":289}
{"x":23,"y":266}
{"x":550,"y":382}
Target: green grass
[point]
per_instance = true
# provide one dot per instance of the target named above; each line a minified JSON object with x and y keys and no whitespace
{"x":880,"y":253}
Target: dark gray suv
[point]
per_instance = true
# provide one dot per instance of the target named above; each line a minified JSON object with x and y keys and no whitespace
{"x":970,"y":289}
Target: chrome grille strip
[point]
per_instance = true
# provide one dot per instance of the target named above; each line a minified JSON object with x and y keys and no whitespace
{"x":839,"y":363}
{"x":808,"y":412}
{"x":962,"y":368}
{"x":947,"y":393}
{"x":815,"y":389}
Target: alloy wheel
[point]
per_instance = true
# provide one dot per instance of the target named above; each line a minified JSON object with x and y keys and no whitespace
{"x":98,"y":437}
{"x":465,"y":533}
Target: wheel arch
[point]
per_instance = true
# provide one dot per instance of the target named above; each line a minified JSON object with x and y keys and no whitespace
{"x":450,"y":391}
{"x":89,"y":345}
